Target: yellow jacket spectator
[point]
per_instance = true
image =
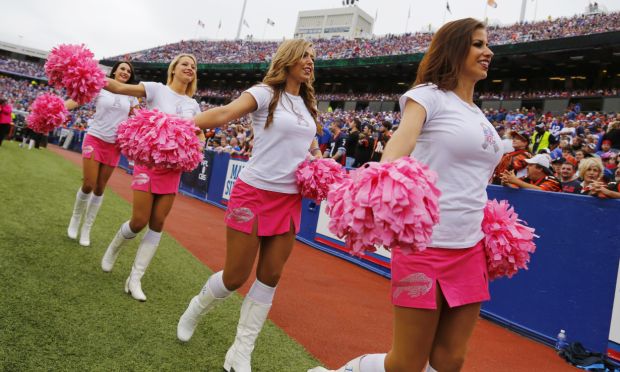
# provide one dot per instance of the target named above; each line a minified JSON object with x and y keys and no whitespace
{"x":540,"y":139}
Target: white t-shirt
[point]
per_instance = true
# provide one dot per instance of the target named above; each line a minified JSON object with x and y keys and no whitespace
{"x":279,"y":149}
{"x":164,"y":99}
{"x":110,"y":110}
{"x":459,"y":143}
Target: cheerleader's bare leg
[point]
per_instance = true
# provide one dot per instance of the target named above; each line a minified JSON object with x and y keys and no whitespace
{"x":241,"y":251}
{"x":453,"y":333}
{"x":141,"y":213}
{"x":424,"y":340}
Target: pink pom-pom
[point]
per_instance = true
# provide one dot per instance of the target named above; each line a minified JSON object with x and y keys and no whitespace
{"x":46,"y":113}
{"x":159,"y":140}
{"x":392,"y":204}
{"x":72,"y":67}
{"x":508,"y":243}
{"x":315,"y":176}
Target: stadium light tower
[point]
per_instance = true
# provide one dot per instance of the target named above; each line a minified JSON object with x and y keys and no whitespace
{"x":241,"y":19}
{"x":523,"y":6}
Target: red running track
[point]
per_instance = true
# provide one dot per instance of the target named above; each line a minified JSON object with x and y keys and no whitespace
{"x":334,"y":308}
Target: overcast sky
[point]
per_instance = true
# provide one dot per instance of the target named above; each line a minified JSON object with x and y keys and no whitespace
{"x":114,"y":27}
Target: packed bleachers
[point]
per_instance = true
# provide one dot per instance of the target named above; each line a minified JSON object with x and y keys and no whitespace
{"x":521,"y":94}
{"x":242,"y":51}
{"x":229,"y":94}
{"x":24,"y":68}
{"x":577,"y":134}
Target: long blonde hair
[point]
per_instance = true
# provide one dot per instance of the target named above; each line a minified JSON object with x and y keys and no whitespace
{"x":586,"y":163}
{"x":191,"y":87}
{"x":288,"y":54}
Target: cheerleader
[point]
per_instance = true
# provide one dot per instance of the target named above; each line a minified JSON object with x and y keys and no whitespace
{"x":437,"y":293}
{"x":154,"y":190}
{"x":264,"y":209}
{"x":99,"y":153}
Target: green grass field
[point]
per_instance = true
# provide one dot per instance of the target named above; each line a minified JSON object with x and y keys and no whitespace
{"x":60,"y":312}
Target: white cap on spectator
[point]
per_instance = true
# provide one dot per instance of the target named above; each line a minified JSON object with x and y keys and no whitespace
{"x":540,"y":159}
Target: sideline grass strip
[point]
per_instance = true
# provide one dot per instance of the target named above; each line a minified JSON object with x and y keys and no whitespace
{"x":60,"y":312}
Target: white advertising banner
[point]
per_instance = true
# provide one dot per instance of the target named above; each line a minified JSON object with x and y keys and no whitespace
{"x":322,"y":228}
{"x":614,"y":329}
{"x":234,"y":168}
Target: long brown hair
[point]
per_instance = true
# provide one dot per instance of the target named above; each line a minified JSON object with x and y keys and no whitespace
{"x":132,"y":76}
{"x":191,"y":87}
{"x":287,"y":55}
{"x":442,"y":63}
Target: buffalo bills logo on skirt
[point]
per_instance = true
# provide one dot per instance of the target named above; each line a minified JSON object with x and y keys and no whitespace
{"x":240,"y":214}
{"x":414,"y":285}
{"x":140,"y":179}
{"x":87,"y":150}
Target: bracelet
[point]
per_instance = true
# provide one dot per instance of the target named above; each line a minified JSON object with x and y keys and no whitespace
{"x":313,"y":150}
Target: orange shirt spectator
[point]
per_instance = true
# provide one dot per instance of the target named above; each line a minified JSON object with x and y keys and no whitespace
{"x":539,"y":176}
{"x":515,"y":160}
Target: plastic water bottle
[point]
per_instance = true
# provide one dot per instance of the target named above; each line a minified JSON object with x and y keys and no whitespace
{"x":561,"y":343}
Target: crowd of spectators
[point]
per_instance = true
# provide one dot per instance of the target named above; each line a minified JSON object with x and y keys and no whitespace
{"x":24,"y":68}
{"x":576,"y":152}
{"x":522,"y":94}
{"x":248,"y":51}
{"x":583,"y":24}
{"x":229,"y":94}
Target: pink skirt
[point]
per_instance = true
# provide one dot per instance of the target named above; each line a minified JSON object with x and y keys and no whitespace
{"x":104,"y":152}
{"x":461,"y":274}
{"x":155,"y":181}
{"x":272,"y":210}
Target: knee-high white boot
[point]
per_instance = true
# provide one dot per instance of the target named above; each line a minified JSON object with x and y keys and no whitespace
{"x":351,"y":366}
{"x":81,"y":201}
{"x":31,"y":145}
{"x":254,"y":310}
{"x":146,"y":251}
{"x":122,"y":235}
{"x":364,"y":363}
{"x":91,"y":214}
{"x":200,"y":304}
{"x":251,"y":321}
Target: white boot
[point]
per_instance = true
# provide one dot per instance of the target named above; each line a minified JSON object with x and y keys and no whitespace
{"x":122,"y":235}
{"x":146,"y":251}
{"x":81,"y":201}
{"x":253,"y":316}
{"x":200,"y":304}
{"x":352,"y":366}
{"x":89,"y":219}
{"x":31,"y":145}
